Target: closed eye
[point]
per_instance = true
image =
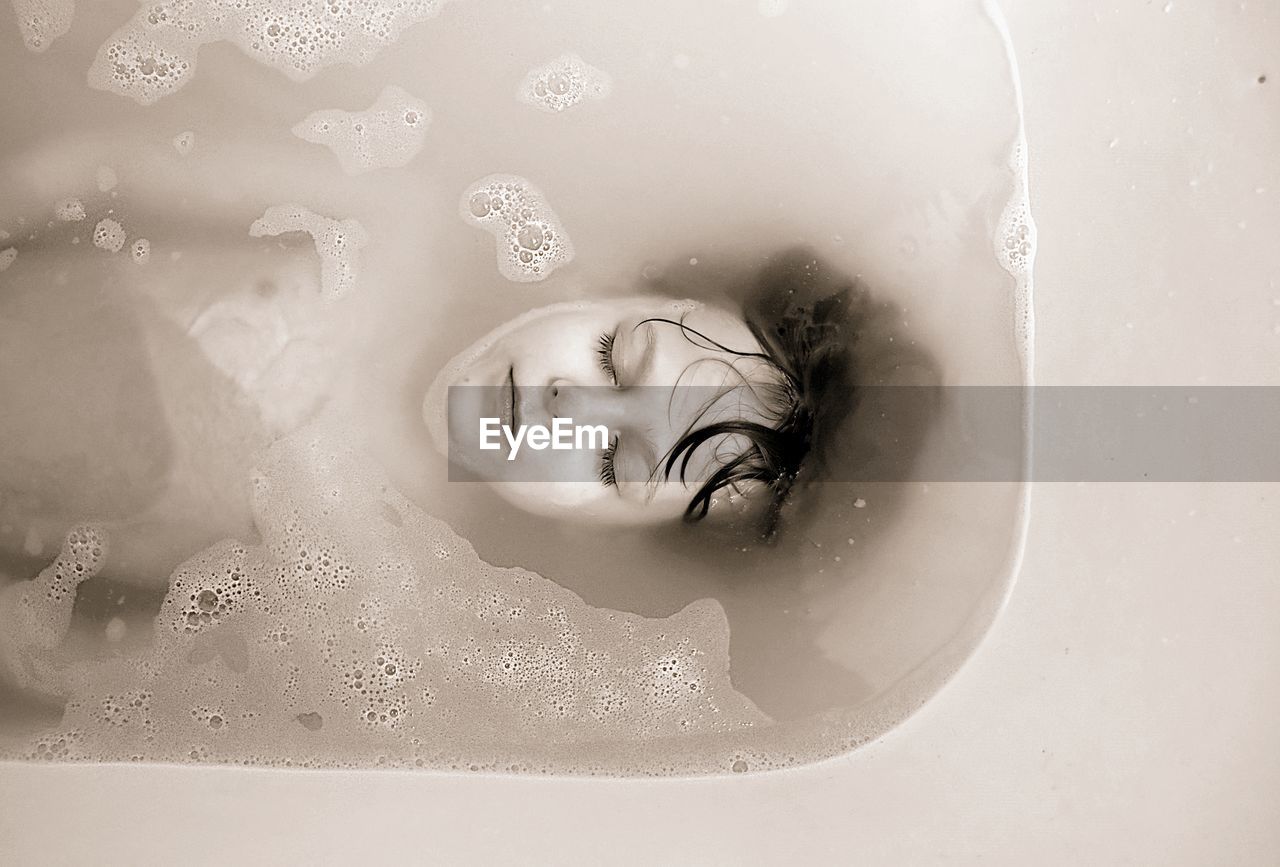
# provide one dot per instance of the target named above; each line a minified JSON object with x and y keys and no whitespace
{"x":608,"y":475}
{"x":604,"y":351}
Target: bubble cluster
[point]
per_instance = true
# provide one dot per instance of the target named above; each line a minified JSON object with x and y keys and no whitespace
{"x":771,"y":8}
{"x":531,"y":243}
{"x":69,"y":210}
{"x":184,"y":142}
{"x":43,"y":21}
{"x":154,"y":53}
{"x":342,"y":638}
{"x":140,"y":250}
{"x":563,"y":83}
{"x":146,"y":62}
{"x":7,"y":257}
{"x":1016,"y":240}
{"x":108,"y":235}
{"x":388,"y":134}
{"x":35,"y":615}
{"x":1015,"y":246}
{"x":337,"y":242}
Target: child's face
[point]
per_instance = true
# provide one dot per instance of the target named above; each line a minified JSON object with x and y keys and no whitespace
{"x":533,"y":369}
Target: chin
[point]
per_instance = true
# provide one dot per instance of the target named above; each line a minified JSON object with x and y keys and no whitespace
{"x":435,"y":409}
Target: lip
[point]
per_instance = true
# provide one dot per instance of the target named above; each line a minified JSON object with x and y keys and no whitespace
{"x":511,"y":400}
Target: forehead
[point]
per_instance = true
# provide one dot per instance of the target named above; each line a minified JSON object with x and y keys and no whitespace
{"x":717,"y":322}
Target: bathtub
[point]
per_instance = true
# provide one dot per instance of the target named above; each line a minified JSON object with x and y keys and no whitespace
{"x":1122,"y":708}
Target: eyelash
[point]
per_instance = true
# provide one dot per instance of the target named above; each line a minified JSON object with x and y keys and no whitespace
{"x":604,"y":351}
{"x":607,"y":476}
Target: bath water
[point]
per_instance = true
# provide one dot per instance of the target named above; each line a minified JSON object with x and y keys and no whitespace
{"x":244,"y":242}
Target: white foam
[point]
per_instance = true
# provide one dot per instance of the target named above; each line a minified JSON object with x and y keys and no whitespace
{"x":108,"y":235}
{"x":154,"y":53}
{"x":338,"y":242}
{"x":43,"y":21}
{"x":771,"y":8}
{"x":1015,"y":236}
{"x":344,"y":638}
{"x":388,"y":134}
{"x":562,"y":83}
{"x":531,"y":243}
{"x":69,"y":210}
{"x":7,"y":257}
{"x":35,"y":615}
{"x":140,"y":250}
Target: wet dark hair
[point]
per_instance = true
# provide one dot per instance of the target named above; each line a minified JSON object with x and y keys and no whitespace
{"x":800,"y":312}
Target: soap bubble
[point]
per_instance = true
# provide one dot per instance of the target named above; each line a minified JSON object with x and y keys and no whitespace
{"x":108,"y":235}
{"x":69,"y":210}
{"x":528,"y":237}
{"x":562,"y":83}
{"x":337,"y":241}
{"x":388,"y":134}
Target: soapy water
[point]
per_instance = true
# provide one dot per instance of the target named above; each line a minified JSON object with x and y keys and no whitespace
{"x":361,"y":631}
{"x":108,"y":235}
{"x":563,"y":83}
{"x":43,"y":21}
{"x":140,"y":250}
{"x":338,"y":242}
{"x":107,"y":179}
{"x":386,"y":135}
{"x":184,"y":142}
{"x":531,"y":243}
{"x":154,"y":54}
{"x":391,"y":644}
{"x":69,"y":210}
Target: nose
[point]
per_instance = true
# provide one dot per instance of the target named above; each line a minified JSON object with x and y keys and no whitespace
{"x":588,"y":404}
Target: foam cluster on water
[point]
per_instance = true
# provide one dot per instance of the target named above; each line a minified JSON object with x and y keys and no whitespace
{"x":69,"y":210}
{"x":563,"y":83}
{"x":8,"y":256}
{"x":531,"y":243}
{"x":108,"y":235}
{"x":338,"y":242}
{"x":1015,"y":245}
{"x":140,"y":250}
{"x":388,"y":134}
{"x":35,"y":615}
{"x":154,"y":53}
{"x":1015,"y":235}
{"x":361,"y":631}
{"x":42,"y":21}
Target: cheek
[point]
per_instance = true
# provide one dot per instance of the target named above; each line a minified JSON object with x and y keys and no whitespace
{"x":563,"y":350}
